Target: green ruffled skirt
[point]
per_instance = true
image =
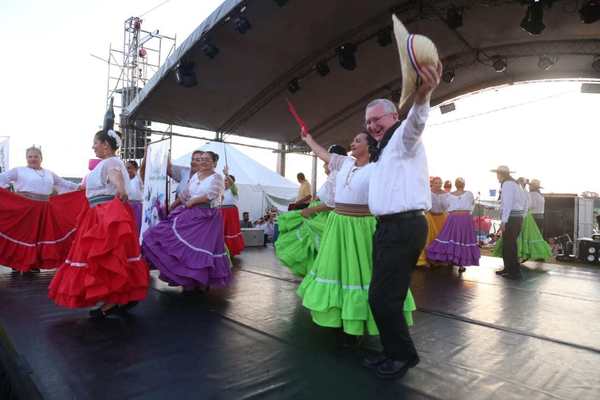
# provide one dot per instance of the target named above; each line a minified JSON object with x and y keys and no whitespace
{"x":336,"y":290}
{"x":530,"y":243}
{"x":299,"y":239}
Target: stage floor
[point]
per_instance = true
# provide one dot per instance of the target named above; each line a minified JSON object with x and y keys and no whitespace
{"x":479,"y":337}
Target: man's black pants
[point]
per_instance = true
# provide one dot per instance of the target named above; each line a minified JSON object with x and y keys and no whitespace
{"x":510,"y":254}
{"x":397,"y":244}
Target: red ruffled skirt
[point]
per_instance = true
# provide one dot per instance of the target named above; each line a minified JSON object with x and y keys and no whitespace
{"x":231,"y":227}
{"x":104,"y":263}
{"x":37,"y":234}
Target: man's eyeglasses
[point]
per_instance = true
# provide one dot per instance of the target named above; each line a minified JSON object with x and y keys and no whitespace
{"x":375,"y":120}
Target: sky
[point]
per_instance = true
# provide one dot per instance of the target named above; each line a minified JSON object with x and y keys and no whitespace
{"x":54,"y":91}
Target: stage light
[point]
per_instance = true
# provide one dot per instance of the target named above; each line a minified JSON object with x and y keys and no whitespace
{"x":499,"y":63}
{"x":590,"y":12}
{"x":596,"y":64}
{"x":241,"y":24}
{"x":454,"y":17}
{"x":294,"y":85}
{"x":185,"y":74}
{"x":281,"y":3}
{"x":210,"y":50}
{"x":448,"y":76}
{"x":545,"y":63}
{"x":446,"y":108}
{"x":346,"y":56}
{"x":384,"y":36}
{"x":322,"y":68}
{"x":533,"y":22}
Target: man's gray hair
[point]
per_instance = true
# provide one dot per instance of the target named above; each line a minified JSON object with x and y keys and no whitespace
{"x":388,"y":106}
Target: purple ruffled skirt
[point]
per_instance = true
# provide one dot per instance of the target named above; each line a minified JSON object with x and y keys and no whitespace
{"x":456,"y":243}
{"x":188,"y":248}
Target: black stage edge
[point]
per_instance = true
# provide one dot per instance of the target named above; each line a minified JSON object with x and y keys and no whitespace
{"x":479,"y":337}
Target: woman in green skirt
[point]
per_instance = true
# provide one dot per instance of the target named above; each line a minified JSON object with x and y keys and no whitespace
{"x":530,"y":243}
{"x":300,"y":231}
{"x":336,"y":289}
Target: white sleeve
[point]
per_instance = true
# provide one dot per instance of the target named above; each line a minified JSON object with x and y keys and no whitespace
{"x":471,"y":201}
{"x":178,"y":171}
{"x":336,"y":161}
{"x":216,"y":187}
{"x":62,"y":185}
{"x":7,"y":177}
{"x":508,"y":195}
{"x":408,"y":135}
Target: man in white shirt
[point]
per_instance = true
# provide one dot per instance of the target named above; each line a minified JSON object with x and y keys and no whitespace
{"x":398,"y":195}
{"x":537,"y":203}
{"x":513,"y":207}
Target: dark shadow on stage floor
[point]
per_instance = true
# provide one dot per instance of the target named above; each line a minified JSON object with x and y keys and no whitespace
{"x":479,"y":337}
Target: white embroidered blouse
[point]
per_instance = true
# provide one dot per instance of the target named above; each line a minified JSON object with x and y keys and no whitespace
{"x":39,"y":181}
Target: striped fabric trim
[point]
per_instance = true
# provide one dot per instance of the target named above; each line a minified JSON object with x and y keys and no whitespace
{"x":84,"y":264}
{"x":62,"y":239}
{"x":182,"y":240}
{"x":410,"y":46}
{"x":456,"y":243}
{"x":233,"y":236}
{"x":338,"y":283}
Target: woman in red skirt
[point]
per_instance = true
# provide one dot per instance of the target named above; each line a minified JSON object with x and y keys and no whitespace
{"x":231,"y":216}
{"x":36,"y":229}
{"x":104,"y":264}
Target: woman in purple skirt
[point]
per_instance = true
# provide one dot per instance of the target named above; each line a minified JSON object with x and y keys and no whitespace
{"x":188,"y":247}
{"x":456,"y":243}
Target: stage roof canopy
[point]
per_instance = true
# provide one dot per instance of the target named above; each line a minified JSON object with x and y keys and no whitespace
{"x":242,"y":90}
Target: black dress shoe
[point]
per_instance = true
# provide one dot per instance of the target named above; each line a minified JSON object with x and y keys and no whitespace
{"x":461,"y":269}
{"x":515,"y":276}
{"x":374,"y":361}
{"x":128,"y":306}
{"x":394,"y":369}
{"x":502,"y":271}
{"x":99,"y":313}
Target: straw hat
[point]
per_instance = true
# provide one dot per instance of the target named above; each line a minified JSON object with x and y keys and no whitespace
{"x":503,"y":169}
{"x":415,"y":51}
{"x":536,"y":183}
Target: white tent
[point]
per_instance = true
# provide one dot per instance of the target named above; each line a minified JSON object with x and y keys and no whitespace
{"x":259,"y":188}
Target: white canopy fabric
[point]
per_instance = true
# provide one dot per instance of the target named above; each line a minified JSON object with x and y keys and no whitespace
{"x":259,"y":188}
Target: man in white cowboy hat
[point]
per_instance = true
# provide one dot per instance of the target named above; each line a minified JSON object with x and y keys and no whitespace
{"x":537,"y":203}
{"x":513,"y":208}
{"x":398,"y":195}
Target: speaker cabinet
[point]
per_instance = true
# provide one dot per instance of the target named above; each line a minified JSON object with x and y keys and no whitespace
{"x":589,"y":251}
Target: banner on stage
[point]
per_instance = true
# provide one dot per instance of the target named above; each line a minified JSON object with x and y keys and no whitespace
{"x":4,"y":153}
{"x":155,"y":185}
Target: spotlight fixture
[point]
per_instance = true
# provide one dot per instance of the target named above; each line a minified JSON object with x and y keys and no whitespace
{"x":596,"y":64}
{"x":281,"y":3}
{"x":533,"y":22}
{"x":590,"y":12}
{"x":448,"y":76}
{"x":546,"y":63}
{"x":185,"y":74}
{"x":210,"y":50}
{"x":446,"y":108}
{"x":294,"y":85}
{"x":322,"y":68}
{"x":454,"y":17}
{"x":241,"y":24}
{"x":384,"y":36}
{"x":499,"y":63}
{"x":346,"y":56}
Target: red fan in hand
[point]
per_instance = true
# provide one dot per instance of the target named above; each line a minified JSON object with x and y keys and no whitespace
{"x":299,"y":120}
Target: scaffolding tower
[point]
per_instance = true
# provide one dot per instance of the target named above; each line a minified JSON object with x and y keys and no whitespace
{"x":129,"y":69}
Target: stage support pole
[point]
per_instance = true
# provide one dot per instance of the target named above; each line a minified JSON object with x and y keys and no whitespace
{"x":281,"y":159}
{"x":313,"y":180}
